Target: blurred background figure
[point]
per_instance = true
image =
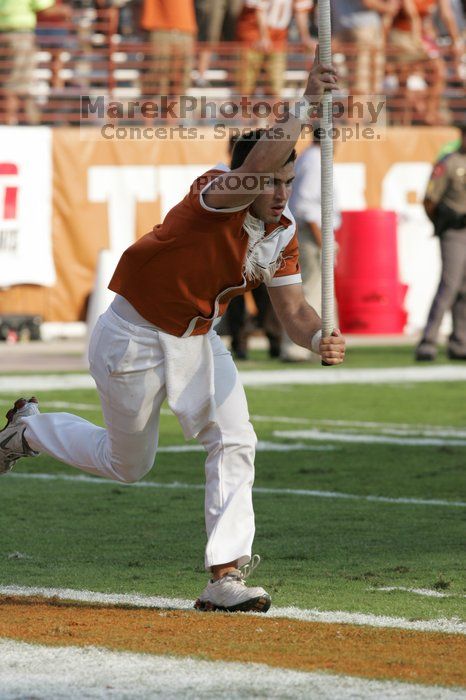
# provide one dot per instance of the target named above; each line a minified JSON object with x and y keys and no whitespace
{"x":18,"y":19}
{"x":263,"y":29}
{"x":217,"y":22}
{"x":445,"y":205}
{"x":172,"y":27}
{"x":305,"y":205}
{"x":238,"y":320}
{"x":361,"y":23}
{"x":413,"y":43}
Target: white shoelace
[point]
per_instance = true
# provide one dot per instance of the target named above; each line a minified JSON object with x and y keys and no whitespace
{"x":248,"y":569}
{"x":245,"y":571}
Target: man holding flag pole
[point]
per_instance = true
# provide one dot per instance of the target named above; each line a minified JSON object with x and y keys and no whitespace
{"x":232,"y":231}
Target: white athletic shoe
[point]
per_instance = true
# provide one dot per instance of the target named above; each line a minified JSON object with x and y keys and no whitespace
{"x":13,"y":444}
{"x":231,"y":594}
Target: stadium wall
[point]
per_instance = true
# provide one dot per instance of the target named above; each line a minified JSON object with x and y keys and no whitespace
{"x":66,"y":194}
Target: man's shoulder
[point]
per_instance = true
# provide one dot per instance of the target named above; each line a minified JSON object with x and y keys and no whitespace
{"x":210,"y":174}
{"x":441,"y":166}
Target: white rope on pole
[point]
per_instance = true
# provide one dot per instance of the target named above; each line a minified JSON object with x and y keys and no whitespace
{"x":328,"y":253}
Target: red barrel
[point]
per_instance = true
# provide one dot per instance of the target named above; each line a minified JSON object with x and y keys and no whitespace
{"x":369,"y":293}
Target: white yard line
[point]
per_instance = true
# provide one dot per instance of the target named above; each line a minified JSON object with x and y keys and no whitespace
{"x":395,"y":428}
{"x":262,"y":446}
{"x":453,"y":625}
{"x":381,"y":428}
{"x":281,"y":419}
{"x":428,"y":592}
{"x":83,"y":479}
{"x":367,"y":438}
{"x":390,"y":375}
{"x":74,"y":673}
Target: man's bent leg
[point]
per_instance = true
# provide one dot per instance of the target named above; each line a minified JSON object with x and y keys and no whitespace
{"x":127,"y":365}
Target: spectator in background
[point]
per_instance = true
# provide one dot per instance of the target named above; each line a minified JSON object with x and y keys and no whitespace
{"x":305,"y":205}
{"x":445,"y":205}
{"x":173,"y":29}
{"x":413,"y":41}
{"x":217,"y":21}
{"x":361,"y":23}
{"x":18,"y":19}
{"x":53,"y":32}
{"x":263,"y":28}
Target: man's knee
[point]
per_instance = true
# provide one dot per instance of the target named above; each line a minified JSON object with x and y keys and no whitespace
{"x":242,"y":438}
{"x":130,"y":471}
{"x":232,"y":438}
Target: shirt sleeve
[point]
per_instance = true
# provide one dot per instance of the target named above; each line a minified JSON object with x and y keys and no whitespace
{"x":196,"y":197}
{"x":289,"y":271}
{"x":438,"y":182}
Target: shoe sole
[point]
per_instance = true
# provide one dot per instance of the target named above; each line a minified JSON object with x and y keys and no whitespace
{"x":260,"y":604}
{"x":18,"y":406}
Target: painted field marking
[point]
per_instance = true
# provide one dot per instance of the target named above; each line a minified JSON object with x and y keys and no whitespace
{"x":428,"y":592}
{"x":256,"y":378}
{"x":381,"y":428}
{"x":54,"y":673}
{"x":406,"y":429}
{"x":396,"y":428}
{"x":281,"y":419}
{"x":367,"y":438}
{"x":386,"y":375}
{"x":262,"y":446}
{"x":83,"y":479}
{"x":73,"y":406}
{"x":451,"y":626}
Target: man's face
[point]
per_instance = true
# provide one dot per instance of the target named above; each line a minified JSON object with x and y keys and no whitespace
{"x":269,"y":206}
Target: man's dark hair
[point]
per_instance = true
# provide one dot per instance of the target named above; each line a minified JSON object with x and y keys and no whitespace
{"x":243,"y":145}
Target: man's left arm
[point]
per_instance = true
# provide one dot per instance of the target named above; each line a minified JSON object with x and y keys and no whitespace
{"x":303,"y":324}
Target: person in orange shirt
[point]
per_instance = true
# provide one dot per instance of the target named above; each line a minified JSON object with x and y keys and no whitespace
{"x":230,"y":232}
{"x":263,"y":29}
{"x":412,"y":40}
{"x":172,"y":27}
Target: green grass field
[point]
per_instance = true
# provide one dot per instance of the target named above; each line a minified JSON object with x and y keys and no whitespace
{"x":318,"y":552}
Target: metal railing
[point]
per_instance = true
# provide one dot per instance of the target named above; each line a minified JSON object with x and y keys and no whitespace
{"x":88,"y":57}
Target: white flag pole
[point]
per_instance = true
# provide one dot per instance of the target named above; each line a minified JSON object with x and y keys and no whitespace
{"x":325,"y":53}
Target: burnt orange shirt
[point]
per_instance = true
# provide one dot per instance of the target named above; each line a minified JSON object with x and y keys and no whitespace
{"x":182,"y":274}
{"x":424,"y":7}
{"x":169,"y":14}
{"x":279,"y":14}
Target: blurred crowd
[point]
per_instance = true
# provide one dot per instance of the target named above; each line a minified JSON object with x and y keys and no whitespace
{"x":394,"y":47}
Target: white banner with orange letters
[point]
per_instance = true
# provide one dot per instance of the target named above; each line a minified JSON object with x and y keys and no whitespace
{"x":26,"y":207}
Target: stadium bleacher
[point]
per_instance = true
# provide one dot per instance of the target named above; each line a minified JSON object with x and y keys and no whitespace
{"x":88,"y":55}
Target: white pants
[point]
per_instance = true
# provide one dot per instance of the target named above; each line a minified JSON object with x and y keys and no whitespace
{"x":127,"y":364}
